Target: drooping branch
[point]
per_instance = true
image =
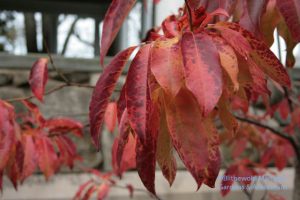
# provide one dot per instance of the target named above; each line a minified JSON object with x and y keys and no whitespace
{"x":273,"y":131}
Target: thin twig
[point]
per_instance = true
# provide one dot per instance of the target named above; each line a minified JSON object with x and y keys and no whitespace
{"x":274,"y":131}
{"x":63,"y":77}
{"x":59,"y":87}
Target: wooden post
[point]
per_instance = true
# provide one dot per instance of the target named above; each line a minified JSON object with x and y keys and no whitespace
{"x":50,"y":22}
{"x":30,"y":32}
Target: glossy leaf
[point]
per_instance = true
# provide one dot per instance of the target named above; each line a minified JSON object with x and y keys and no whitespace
{"x":104,"y":88}
{"x":114,"y":17}
{"x":202,"y":69}
{"x":38,"y":78}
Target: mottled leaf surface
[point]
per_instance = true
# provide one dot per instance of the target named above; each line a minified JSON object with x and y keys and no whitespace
{"x":202,"y":69}
{"x":104,"y":88}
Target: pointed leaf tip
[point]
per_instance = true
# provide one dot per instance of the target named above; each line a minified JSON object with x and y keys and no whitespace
{"x":102,"y":92}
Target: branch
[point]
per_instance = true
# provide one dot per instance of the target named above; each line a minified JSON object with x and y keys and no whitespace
{"x":274,"y":131}
{"x":63,"y":77}
{"x":51,"y":91}
{"x":71,"y":31}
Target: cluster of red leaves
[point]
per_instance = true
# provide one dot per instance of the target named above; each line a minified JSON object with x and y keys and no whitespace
{"x":179,"y":82}
{"x":28,"y":140}
{"x":99,"y":185}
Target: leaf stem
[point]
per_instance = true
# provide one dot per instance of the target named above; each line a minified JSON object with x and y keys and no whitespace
{"x":189,"y":11}
{"x":59,"y":87}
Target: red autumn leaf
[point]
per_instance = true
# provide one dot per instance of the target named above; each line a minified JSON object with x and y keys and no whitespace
{"x":164,"y":153}
{"x":194,"y":138}
{"x":114,"y":17}
{"x":136,"y":91}
{"x":170,"y":27}
{"x":103,"y":191}
{"x":7,"y":132}
{"x":30,"y":156}
{"x":256,"y":50}
{"x":202,"y":69}
{"x":228,"y":60}
{"x":252,"y":14}
{"x":35,"y":111}
{"x":121,"y":104}
{"x":78,"y":195}
{"x":110,"y":116}
{"x":227,"y":181}
{"x":47,"y":158}
{"x":146,"y":151}
{"x":290,"y":9}
{"x":167,"y":65}
{"x":104,"y":88}
{"x":38,"y":78}
{"x":61,"y":125}
{"x":89,"y":192}
{"x":128,"y":155}
{"x":67,"y":151}
{"x":124,"y":131}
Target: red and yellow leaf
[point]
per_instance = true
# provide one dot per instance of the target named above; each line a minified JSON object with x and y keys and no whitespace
{"x":202,"y":69}
{"x":167,"y":65}
{"x":164,"y":152}
{"x":259,"y":52}
{"x":194,"y":138}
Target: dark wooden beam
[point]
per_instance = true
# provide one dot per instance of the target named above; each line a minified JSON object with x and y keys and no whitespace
{"x":88,"y":8}
{"x":15,"y":62}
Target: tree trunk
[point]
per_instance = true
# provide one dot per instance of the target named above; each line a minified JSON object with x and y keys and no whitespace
{"x":296,"y":192}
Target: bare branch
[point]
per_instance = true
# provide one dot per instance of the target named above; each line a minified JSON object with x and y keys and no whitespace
{"x":274,"y":131}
